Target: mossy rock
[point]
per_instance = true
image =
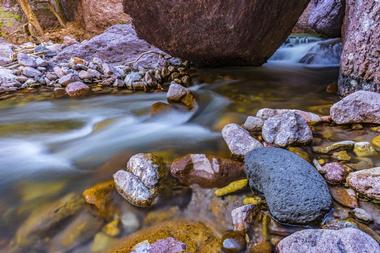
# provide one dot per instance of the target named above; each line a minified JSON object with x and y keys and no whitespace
{"x":196,"y":235}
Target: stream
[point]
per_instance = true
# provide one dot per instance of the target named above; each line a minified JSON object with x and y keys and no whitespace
{"x":51,"y":147}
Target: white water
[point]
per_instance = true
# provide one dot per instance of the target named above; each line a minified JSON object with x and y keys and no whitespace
{"x":128,"y":125}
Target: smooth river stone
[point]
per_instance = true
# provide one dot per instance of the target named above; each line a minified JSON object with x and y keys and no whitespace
{"x":294,"y":190}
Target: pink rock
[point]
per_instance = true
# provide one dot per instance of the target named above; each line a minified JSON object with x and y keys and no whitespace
{"x":359,"y":107}
{"x":168,"y":245}
{"x":348,"y":240}
{"x":366,"y":182}
{"x":334,"y":172}
{"x":77,"y":89}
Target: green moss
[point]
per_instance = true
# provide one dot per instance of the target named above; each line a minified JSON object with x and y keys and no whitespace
{"x":7,"y":19}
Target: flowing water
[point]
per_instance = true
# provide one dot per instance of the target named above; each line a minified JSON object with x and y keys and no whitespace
{"x":66,"y":145}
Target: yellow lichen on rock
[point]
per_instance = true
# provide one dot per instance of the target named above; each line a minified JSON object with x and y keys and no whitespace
{"x":232,"y":187}
{"x":196,"y":235}
{"x":100,"y":195}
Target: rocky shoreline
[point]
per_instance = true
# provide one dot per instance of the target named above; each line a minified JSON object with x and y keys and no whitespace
{"x":75,"y":68}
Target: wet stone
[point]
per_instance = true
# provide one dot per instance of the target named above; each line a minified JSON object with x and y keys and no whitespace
{"x":294,"y":191}
{"x":362,"y":215}
{"x":358,"y":107}
{"x":238,"y":140}
{"x":344,"y":196}
{"x":364,"y":149}
{"x":334,"y":173}
{"x":341,"y":156}
{"x":139,"y":184}
{"x":242,"y":217}
{"x":366,"y":182}
{"x":323,"y":240}
{"x":267,"y":113}
{"x":206,"y":170}
{"x":286,"y":129}
{"x":253,"y":124}
{"x":77,"y":89}
{"x":343,"y":145}
{"x":233,"y":242}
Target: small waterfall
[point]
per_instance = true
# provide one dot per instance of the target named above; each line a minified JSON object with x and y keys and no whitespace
{"x":308,"y":50}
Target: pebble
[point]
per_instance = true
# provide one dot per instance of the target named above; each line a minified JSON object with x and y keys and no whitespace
{"x":139,"y":184}
{"x":358,"y":107}
{"x":364,"y":149}
{"x":294,"y":191}
{"x":341,"y":156}
{"x":242,"y":217}
{"x":376,"y":141}
{"x":344,"y":196}
{"x":26,"y":60}
{"x":362,"y":215}
{"x":233,"y":242}
{"x":348,"y":240}
{"x":342,"y":145}
{"x":238,"y":140}
{"x":366,"y":182}
{"x":267,"y":113}
{"x":77,"y":89}
{"x":31,"y":72}
{"x":333,"y":172}
{"x":253,"y":124}
{"x":69,"y":78}
{"x":286,"y":129}
{"x":206,"y":170}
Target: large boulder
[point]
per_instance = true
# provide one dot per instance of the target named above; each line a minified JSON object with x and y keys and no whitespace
{"x":359,"y":107}
{"x":216,"y":32}
{"x":99,"y":15}
{"x":323,"y":17}
{"x":117,"y":45}
{"x":360,"y":62}
{"x":294,"y":190}
{"x":348,"y":240}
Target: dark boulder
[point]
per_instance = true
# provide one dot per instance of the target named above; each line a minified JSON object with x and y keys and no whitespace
{"x":294,"y":190}
{"x":322,"y":17}
{"x":216,"y":32}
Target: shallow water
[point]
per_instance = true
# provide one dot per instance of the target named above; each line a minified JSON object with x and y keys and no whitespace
{"x":66,"y":145}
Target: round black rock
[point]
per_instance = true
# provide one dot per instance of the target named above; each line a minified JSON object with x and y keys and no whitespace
{"x":295,"y":192}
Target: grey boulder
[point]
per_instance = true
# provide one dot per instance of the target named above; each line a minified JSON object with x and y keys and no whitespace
{"x":294,"y":190}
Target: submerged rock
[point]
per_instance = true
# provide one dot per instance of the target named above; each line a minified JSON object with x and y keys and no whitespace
{"x":366,"y":182}
{"x":349,"y":240}
{"x":206,"y":27}
{"x":238,"y":140}
{"x":344,"y":196}
{"x":286,"y":129}
{"x":364,"y":148}
{"x":195,"y":235}
{"x":359,"y":107}
{"x":44,"y":219}
{"x":295,"y":192}
{"x":80,"y":230}
{"x":207,"y":171}
{"x":334,"y":172}
{"x":139,"y":185}
{"x":342,"y":145}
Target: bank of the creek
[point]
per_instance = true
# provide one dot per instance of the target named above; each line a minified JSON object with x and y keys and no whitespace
{"x":53,"y":148}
